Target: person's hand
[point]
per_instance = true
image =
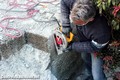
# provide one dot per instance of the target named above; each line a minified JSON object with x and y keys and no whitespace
{"x":69,"y":48}
{"x":66,"y":30}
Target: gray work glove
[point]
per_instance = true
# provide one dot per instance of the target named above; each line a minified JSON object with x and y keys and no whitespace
{"x":69,"y":48}
{"x":66,"y":30}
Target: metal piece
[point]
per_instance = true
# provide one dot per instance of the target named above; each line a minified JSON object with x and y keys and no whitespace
{"x":63,"y":42}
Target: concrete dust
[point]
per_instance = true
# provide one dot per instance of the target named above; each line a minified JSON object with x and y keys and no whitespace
{"x":36,"y":24}
{"x":27,"y":63}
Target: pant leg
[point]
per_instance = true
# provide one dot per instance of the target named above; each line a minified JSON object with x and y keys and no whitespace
{"x":87,"y":71}
{"x":97,"y":68}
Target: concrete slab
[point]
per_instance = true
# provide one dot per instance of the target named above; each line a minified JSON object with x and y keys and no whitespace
{"x":28,"y":63}
{"x":38,"y":28}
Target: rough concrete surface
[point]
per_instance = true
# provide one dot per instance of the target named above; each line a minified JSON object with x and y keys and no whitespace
{"x":37,"y":41}
{"x":20,"y":61}
{"x":65,"y":65}
{"x":27,"y":57}
{"x":28,"y":63}
{"x":11,"y":46}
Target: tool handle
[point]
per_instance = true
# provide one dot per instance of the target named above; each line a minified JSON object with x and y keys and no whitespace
{"x":69,"y":39}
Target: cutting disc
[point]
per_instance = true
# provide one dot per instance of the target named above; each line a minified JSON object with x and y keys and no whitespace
{"x":60,"y":41}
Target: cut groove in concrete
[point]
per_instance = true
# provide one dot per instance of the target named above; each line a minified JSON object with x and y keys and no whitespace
{"x":37,"y":41}
{"x":15,"y":45}
{"x":12,"y":46}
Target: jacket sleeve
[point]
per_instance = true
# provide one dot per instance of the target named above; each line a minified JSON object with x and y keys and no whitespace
{"x":88,"y":47}
{"x":99,"y":35}
{"x":65,"y":12}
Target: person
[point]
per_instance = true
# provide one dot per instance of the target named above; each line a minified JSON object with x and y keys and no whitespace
{"x":92,"y":34}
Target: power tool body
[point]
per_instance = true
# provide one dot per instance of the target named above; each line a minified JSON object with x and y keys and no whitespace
{"x":61,"y":41}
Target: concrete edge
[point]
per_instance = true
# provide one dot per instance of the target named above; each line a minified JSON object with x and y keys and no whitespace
{"x":37,"y":41}
{"x":11,"y":47}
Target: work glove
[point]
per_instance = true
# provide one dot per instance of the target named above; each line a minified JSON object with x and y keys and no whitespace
{"x":66,"y":30}
{"x":69,"y":48}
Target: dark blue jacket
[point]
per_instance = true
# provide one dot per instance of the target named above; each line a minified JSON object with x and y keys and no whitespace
{"x":66,"y":6}
{"x":92,"y":37}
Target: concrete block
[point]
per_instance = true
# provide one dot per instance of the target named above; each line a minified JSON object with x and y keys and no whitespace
{"x":64,"y":65}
